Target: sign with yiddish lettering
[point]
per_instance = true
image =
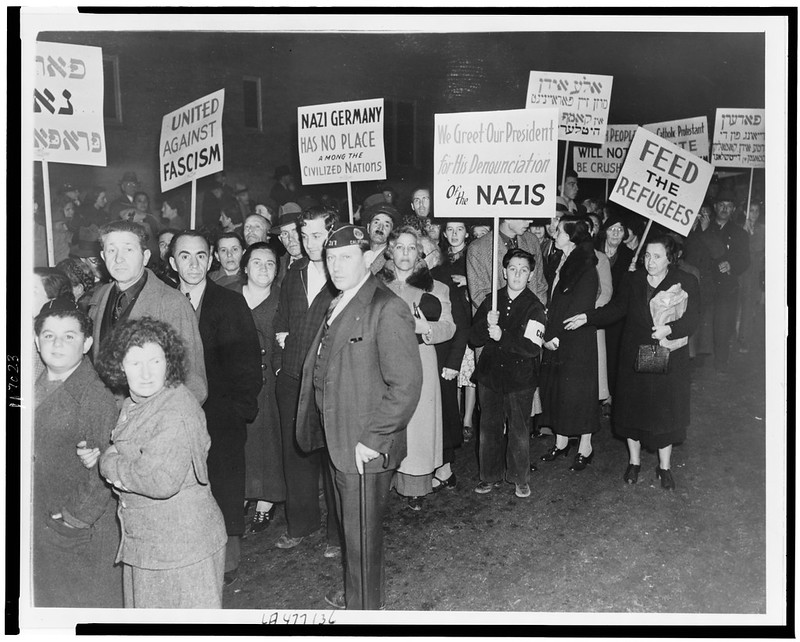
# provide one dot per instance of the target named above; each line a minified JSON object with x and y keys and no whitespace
{"x":662,"y":181}
{"x":341,"y":142}
{"x":604,"y":161}
{"x":68,"y":105}
{"x":582,"y":99}
{"x":495,"y":163}
{"x":191,"y":141}
{"x":738,"y":138}
{"x":689,"y":133}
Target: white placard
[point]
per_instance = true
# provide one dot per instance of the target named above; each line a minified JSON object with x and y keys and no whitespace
{"x":583,"y":100}
{"x":689,"y":133}
{"x":191,"y":141}
{"x":495,"y":163}
{"x":341,"y":142}
{"x":738,"y":138}
{"x":68,"y":105}
{"x":535,"y":332}
{"x":662,"y":181}
{"x":604,"y":161}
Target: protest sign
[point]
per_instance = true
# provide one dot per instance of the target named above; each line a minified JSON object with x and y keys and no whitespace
{"x":191,"y":141}
{"x":604,"y":161}
{"x":495,"y":163}
{"x":583,"y":100}
{"x":68,"y":105}
{"x":689,"y":133}
{"x":341,"y":142}
{"x":738,"y":138}
{"x":662,"y":182}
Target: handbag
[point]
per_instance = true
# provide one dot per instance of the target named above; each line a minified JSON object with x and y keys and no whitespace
{"x":652,"y":358}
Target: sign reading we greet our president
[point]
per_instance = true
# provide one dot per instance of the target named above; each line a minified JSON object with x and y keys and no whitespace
{"x":495,"y":163}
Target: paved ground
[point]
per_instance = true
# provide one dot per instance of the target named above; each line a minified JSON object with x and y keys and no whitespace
{"x":583,"y":542}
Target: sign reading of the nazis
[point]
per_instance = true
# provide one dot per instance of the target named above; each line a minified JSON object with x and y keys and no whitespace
{"x":662,"y":181}
{"x":738,"y":138}
{"x":689,"y":133}
{"x":495,"y":162}
{"x":583,"y":100}
{"x":191,"y":141}
{"x":604,"y":161}
{"x":68,"y":104}
{"x":341,"y":142}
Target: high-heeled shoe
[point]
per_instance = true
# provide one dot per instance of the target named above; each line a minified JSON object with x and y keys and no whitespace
{"x":582,"y":461}
{"x":555,"y":452}
{"x":632,"y":473}
{"x":667,"y":483}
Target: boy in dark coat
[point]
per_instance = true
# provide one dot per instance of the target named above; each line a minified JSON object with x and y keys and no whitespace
{"x":507,"y":374}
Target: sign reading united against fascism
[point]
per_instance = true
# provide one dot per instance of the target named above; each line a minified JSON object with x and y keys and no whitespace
{"x":738,"y":138}
{"x":341,"y":142}
{"x":662,"y":181}
{"x":191,"y":141}
{"x":689,"y":133}
{"x":68,"y":105}
{"x":583,"y":100}
{"x":604,"y":161}
{"x":495,"y":163}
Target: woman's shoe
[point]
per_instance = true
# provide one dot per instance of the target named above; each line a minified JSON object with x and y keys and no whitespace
{"x":415,"y":503}
{"x":261,"y":520}
{"x":555,"y":452}
{"x":667,"y":483}
{"x":582,"y":461}
{"x":468,"y":433}
{"x":632,"y":473}
{"x":449,"y":483}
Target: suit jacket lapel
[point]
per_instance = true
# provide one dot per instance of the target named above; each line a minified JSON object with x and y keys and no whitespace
{"x":348,"y":318}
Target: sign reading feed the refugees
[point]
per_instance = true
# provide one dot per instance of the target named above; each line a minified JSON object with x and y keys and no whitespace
{"x":604,"y":161}
{"x":583,"y":100}
{"x":191,"y":141}
{"x":738,"y":138}
{"x":341,"y":142}
{"x":689,"y":133}
{"x":662,"y":181}
{"x":68,"y":105}
{"x":495,"y":163}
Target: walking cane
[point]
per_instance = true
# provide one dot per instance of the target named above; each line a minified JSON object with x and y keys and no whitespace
{"x":362,"y":492}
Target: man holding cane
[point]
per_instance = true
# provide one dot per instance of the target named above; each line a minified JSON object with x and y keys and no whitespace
{"x":360,"y":385}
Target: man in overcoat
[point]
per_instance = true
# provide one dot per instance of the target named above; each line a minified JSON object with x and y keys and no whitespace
{"x":361,"y":383}
{"x":137,"y":292}
{"x":233,"y":364}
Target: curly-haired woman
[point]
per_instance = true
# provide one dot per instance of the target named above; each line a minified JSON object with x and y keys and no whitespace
{"x":173,"y":534}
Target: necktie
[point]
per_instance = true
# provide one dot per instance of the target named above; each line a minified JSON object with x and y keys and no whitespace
{"x":119,"y":306}
{"x":512,"y":244}
{"x":331,"y":308}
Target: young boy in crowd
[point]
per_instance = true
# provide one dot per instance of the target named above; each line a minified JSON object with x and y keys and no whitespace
{"x":507,"y":374}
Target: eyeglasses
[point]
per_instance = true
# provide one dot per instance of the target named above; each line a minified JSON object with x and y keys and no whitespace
{"x":614,"y":229}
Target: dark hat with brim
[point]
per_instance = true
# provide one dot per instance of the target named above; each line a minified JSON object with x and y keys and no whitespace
{"x":381,"y":208}
{"x":129,"y":177}
{"x":725,"y":195}
{"x":289,"y":213}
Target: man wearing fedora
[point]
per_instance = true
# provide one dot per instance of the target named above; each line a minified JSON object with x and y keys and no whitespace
{"x":128,"y":186}
{"x":379,"y":219}
{"x":289,"y":236}
{"x":285,"y":188}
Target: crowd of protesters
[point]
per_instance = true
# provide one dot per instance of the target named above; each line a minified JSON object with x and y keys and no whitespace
{"x":199,"y":338}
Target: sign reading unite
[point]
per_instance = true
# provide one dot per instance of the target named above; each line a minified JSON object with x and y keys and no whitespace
{"x":68,"y":104}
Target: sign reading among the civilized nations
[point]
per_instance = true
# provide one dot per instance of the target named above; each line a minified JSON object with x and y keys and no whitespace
{"x":191,"y":141}
{"x":604,"y":161}
{"x":689,"y":133}
{"x":68,"y":104}
{"x":583,"y":100}
{"x":738,"y":138}
{"x":662,"y":181}
{"x":495,"y":163}
{"x":341,"y":142}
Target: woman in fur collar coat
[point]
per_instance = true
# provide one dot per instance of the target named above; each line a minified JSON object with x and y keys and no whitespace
{"x":569,"y":364}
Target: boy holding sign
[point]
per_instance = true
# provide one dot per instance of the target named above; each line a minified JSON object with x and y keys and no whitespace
{"x":507,"y":374}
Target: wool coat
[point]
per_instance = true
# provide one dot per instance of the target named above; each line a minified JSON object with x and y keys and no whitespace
{"x":650,"y":403}
{"x":234,"y":368}
{"x":569,"y":374}
{"x":372,"y":342}
{"x":164,"y":303}
{"x":74,"y":567}
{"x":169,"y":517}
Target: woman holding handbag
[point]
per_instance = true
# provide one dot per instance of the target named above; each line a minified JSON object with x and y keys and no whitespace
{"x":650,"y":408}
